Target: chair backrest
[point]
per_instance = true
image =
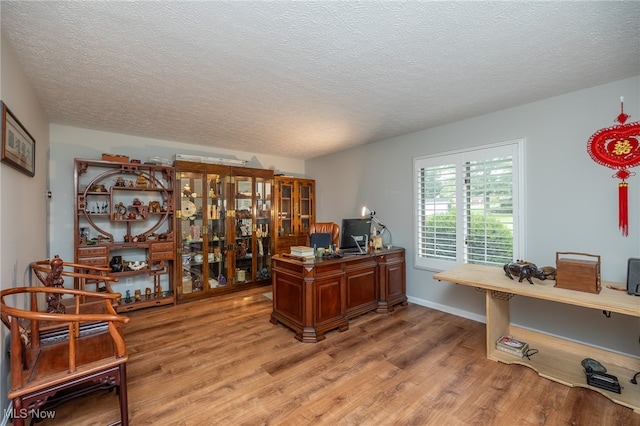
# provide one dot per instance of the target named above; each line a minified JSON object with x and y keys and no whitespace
{"x":51,"y":273}
{"x":330,"y":228}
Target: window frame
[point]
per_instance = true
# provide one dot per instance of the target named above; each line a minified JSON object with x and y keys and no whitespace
{"x":516,"y":149}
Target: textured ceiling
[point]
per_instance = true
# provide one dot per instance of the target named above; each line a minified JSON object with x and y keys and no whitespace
{"x":307,"y":78}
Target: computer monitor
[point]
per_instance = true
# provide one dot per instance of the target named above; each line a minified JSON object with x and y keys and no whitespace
{"x":353,"y":232}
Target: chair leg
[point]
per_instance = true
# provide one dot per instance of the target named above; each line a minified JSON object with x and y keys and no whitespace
{"x":17,"y":412}
{"x":122,"y":394}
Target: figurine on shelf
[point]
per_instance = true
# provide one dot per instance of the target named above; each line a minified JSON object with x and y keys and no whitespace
{"x":119,"y":211}
{"x":100,"y":239}
{"x":143,"y":210}
{"x":155,"y":207}
{"x":195,"y":232}
{"x":222,"y":280}
{"x":116,"y":264}
{"x":120,"y":182}
{"x":241,"y":250}
{"x":84,"y":232}
{"x":198,"y":285}
{"x":263,"y":274}
{"x":98,"y":187}
{"x":137,"y":265}
{"x":127,"y":298}
{"x":141,"y":182}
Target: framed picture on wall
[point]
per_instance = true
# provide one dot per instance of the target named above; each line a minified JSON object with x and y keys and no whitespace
{"x":18,"y":146}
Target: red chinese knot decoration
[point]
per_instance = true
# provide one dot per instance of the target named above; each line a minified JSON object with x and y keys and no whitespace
{"x":617,"y":147}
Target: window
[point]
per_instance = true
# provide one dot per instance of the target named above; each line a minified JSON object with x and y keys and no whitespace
{"x":468,"y":207}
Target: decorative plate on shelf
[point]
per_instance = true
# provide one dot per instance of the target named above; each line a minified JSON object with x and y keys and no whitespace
{"x":188,"y":210}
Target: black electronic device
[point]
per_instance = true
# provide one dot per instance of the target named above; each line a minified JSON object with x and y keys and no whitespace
{"x":355,"y":234}
{"x":320,"y":240}
{"x":603,"y":381}
{"x":633,"y":276}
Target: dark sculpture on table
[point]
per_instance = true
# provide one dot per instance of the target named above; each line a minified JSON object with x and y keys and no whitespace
{"x":549,"y":272}
{"x":523,"y":271}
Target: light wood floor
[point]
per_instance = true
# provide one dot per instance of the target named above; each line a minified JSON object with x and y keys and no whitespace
{"x":221,"y":362}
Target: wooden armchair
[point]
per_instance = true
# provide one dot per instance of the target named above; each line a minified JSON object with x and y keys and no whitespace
{"x":87,"y":352}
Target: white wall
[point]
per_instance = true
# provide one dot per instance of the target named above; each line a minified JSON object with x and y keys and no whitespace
{"x":571,"y":202}
{"x":68,"y":143}
{"x":23,"y":206}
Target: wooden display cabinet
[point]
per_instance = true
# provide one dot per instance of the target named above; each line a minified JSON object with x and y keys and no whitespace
{"x":124,"y":211}
{"x":225,"y":224}
{"x":295,"y":211}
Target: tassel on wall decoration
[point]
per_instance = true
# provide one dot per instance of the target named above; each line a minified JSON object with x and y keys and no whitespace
{"x":623,"y":208}
{"x":617,"y":147}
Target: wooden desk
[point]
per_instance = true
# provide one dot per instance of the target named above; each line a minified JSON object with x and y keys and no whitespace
{"x":314,"y":296}
{"x":558,"y":359}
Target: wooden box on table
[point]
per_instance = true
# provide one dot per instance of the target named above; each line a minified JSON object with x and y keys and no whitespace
{"x":578,"y":271}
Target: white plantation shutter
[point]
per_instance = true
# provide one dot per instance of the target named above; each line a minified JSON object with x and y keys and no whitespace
{"x":467,"y":206}
{"x":436,"y":193}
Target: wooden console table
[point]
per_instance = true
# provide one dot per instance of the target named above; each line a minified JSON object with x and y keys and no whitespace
{"x":558,"y":359}
{"x":314,"y":296}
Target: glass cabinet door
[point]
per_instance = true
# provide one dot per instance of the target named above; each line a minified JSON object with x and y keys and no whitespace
{"x":216,"y":231}
{"x":252,"y":227}
{"x":262,"y":232}
{"x":305,"y":201}
{"x":192,"y":223}
{"x":244,"y":194}
{"x":285,"y":211}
